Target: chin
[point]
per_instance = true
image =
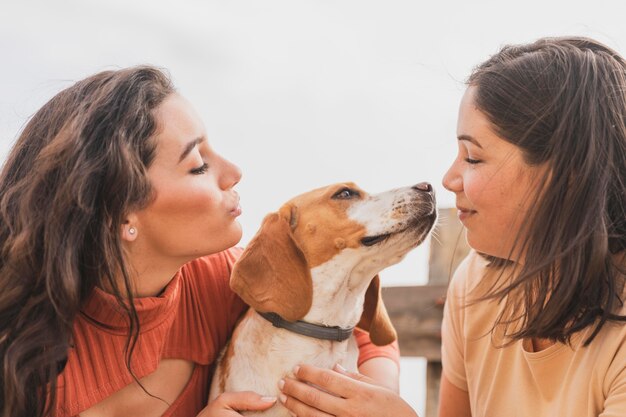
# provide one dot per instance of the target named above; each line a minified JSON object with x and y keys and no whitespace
{"x":218,"y":242}
{"x":490,"y":247}
{"x":481,"y":244}
{"x":235,"y":241}
{"x":233,"y":236}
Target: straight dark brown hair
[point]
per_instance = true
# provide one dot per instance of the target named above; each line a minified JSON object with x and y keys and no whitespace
{"x":562,"y":101}
{"x":78,"y":167}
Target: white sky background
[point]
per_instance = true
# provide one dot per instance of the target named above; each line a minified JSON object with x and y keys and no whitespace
{"x":298,"y":93}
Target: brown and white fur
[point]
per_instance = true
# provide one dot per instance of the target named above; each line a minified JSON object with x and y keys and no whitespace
{"x":317,"y":260}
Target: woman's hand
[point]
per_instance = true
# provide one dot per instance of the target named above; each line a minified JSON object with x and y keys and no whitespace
{"x":229,"y":404}
{"x":342,"y":394}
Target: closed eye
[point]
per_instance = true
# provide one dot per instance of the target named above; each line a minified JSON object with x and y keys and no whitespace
{"x":200,"y":170}
{"x":346,"y":194}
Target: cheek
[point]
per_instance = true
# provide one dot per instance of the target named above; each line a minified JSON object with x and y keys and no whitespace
{"x":201,"y":200}
{"x":492,"y":191}
{"x":476,"y":188}
{"x":189,"y":204}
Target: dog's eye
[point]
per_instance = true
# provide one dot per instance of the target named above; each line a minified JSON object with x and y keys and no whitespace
{"x":345,"y":194}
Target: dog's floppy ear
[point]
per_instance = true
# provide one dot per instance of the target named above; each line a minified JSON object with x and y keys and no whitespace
{"x":272,"y":274}
{"x":375,"y":318}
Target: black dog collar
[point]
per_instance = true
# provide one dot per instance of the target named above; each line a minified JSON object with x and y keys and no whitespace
{"x":317,"y":331}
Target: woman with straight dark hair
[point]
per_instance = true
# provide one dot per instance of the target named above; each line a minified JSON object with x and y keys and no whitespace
{"x":534,"y":322}
{"x":117,"y":222}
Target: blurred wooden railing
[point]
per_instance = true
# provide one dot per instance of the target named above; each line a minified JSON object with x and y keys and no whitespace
{"x":416,"y":311}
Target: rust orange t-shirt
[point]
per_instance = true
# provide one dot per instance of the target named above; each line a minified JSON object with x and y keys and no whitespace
{"x":192,"y":319}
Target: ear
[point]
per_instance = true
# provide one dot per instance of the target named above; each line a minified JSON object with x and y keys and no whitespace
{"x":272,"y":274}
{"x":129,"y":228}
{"x":375,"y":318}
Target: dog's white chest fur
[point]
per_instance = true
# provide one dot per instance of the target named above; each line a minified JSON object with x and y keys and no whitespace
{"x":263,"y":355}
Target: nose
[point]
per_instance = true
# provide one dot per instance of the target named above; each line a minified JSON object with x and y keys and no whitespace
{"x":231,"y":174}
{"x":423,"y":186}
{"x":452,"y":180}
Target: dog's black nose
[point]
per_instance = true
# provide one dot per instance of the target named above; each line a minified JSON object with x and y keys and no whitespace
{"x":423,"y":186}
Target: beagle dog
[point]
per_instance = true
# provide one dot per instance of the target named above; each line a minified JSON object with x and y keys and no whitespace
{"x":310,"y":275}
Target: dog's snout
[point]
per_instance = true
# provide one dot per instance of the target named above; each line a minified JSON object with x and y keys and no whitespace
{"x":423,"y":186}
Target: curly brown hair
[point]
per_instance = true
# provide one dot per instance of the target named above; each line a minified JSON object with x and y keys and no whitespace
{"x":77,"y":168}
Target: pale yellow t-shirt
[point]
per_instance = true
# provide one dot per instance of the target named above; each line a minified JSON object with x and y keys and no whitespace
{"x":513,"y":381}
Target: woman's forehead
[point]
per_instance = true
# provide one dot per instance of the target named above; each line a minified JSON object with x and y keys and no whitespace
{"x":179,"y":126}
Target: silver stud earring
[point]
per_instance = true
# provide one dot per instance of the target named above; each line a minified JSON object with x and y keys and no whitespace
{"x":132,"y":230}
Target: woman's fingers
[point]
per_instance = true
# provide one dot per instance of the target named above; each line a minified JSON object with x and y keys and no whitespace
{"x":354,"y":375}
{"x":304,"y":397}
{"x":331,"y":381}
{"x":229,"y":403}
{"x":300,"y":409}
{"x":245,"y":401}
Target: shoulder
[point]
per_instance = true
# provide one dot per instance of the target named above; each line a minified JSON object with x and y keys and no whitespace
{"x":210,"y":272}
{"x":607,"y":352}
{"x":208,"y":278}
{"x":467,"y":309}
{"x":468,"y":275}
{"x":208,"y":308}
{"x":217,"y":265}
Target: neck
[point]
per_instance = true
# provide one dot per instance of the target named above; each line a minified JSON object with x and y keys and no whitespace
{"x":338,"y":294}
{"x":149,"y":275}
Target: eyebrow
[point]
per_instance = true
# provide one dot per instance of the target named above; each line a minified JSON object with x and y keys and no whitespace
{"x":190,"y":147}
{"x":470,"y":139}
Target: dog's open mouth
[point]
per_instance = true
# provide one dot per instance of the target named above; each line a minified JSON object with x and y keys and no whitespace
{"x":372,"y":240}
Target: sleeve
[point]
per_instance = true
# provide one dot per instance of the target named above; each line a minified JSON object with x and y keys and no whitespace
{"x":368,"y":350}
{"x":452,"y":337}
{"x":615,"y":402}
